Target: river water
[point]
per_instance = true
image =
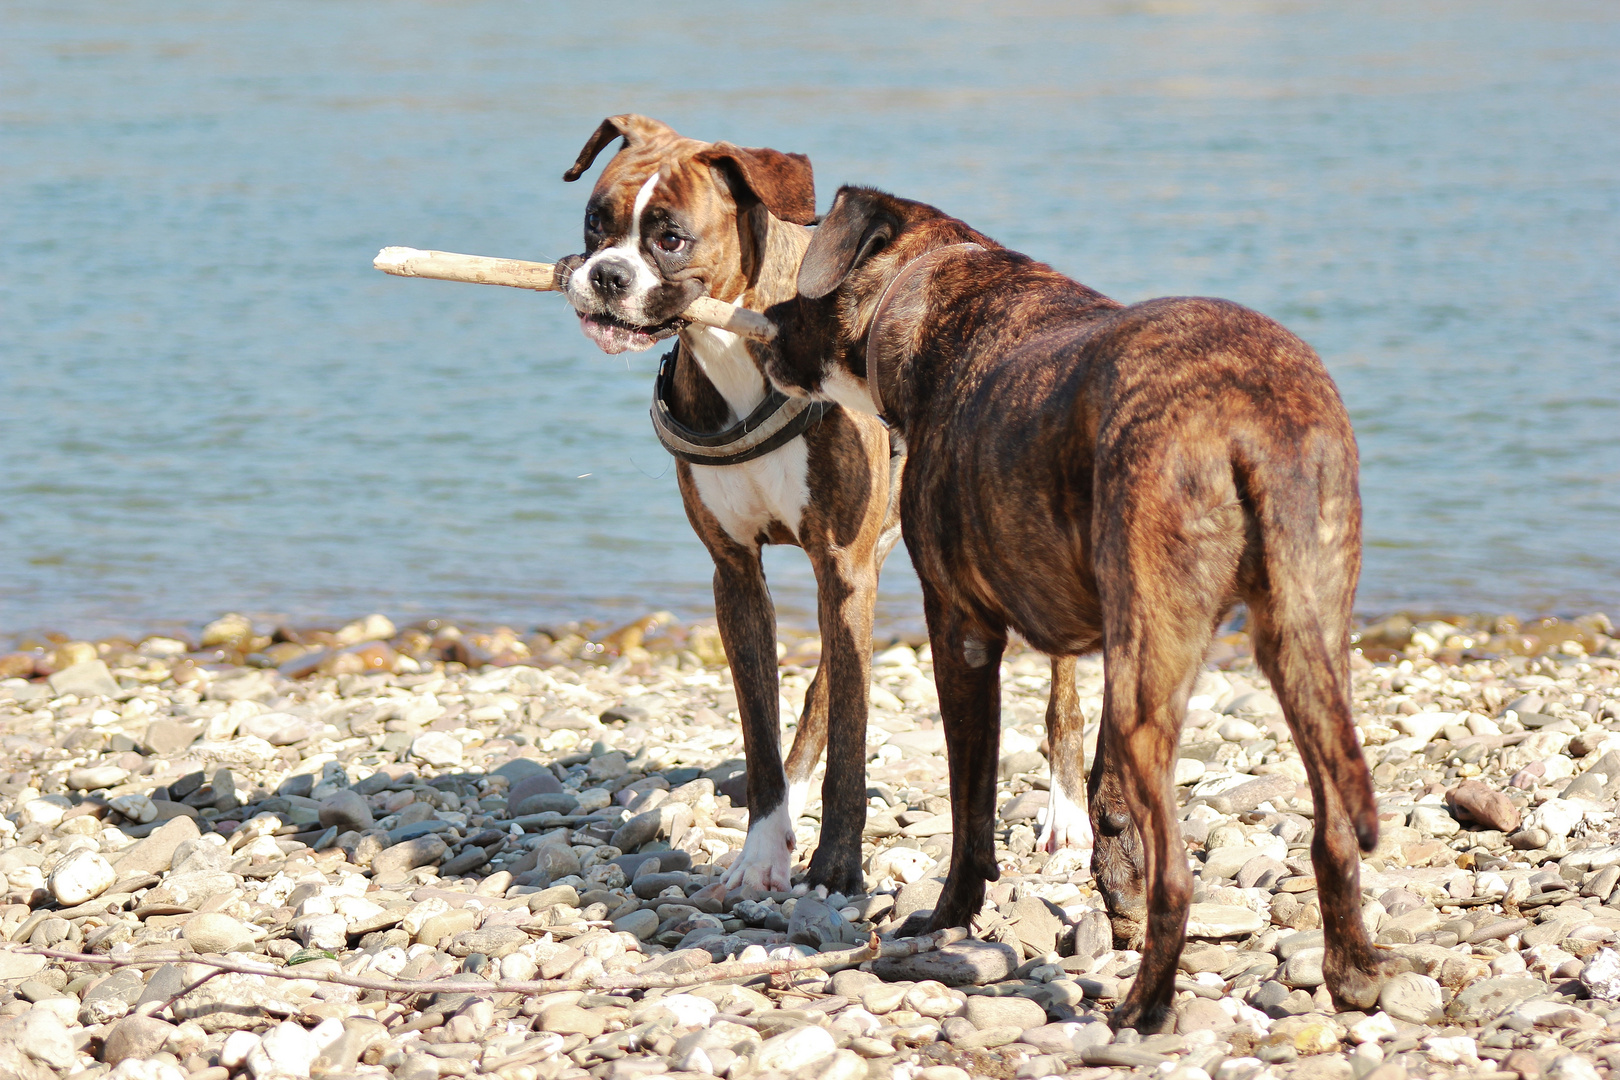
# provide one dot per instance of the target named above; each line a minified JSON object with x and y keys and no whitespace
{"x":211,"y":401}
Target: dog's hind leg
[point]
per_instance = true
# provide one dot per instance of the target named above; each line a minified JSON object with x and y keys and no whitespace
{"x":1164,"y":570}
{"x":1116,"y":861}
{"x":1301,"y":636}
{"x":967,"y":673}
{"x":1151,"y":664}
{"x":1066,"y":825}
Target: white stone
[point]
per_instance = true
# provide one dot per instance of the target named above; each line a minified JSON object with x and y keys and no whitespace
{"x":1225,"y":862}
{"x":1239,"y":1068}
{"x":1572,"y":1067}
{"x":1452,"y":1049}
{"x":906,"y":865}
{"x":82,"y":876}
{"x":689,"y":1010}
{"x":327,"y":1032}
{"x":214,"y":932}
{"x":796,"y":1049}
{"x":1189,"y":771}
{"x":286,"y":1050}
{"x":1601,"y":975}
{"x":1424,"y":726}
{"x":146,"y":1069}
{"x":514,"y":966}
{"x":1236,"y":730}
{"x":1433,"y":821}
{"x":1509,"y":963}
{"x":1558,"y":816}
{"x":421,"y":913}
{"x":1412,"y":997}
{"x":42,"y":1035}
{"x":437,"y":748}
{"x":1375,"y":1028}
{"x":855,"y":1022}
{"x":324,"y":932}
{"x":1219,"y":920}
{"x":138,"y":808}
{"x":47,"y":811}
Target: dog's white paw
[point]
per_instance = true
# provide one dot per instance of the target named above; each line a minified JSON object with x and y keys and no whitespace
{"x":766,"y":861}
{"x":1066,"y":825}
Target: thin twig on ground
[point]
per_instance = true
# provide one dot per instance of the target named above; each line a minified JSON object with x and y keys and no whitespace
{"x":829,"y":961}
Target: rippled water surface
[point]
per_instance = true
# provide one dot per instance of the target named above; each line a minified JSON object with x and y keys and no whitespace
{"x":211,"y":401}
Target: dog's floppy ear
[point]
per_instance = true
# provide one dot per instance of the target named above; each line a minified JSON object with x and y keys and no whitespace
{"x":629,"y":126}
{"x":857,"y":227}
{"x":785,"y":183}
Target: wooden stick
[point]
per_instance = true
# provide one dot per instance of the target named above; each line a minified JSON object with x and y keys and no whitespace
{"x":543,"y":277}
{"x":736,"y":969}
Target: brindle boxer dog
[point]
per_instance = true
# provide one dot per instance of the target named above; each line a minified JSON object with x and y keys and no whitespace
{"x":1092,"y":476}
{"x":669,"y":220}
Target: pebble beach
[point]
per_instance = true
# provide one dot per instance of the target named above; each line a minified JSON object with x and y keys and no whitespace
{"x":493,"y":807}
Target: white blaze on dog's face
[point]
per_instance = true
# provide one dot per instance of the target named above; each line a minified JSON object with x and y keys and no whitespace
{"x":668,"y":222}
{"x":617,"y":280}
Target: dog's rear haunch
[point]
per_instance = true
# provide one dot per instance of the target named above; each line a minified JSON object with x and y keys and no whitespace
{"x":1093,"y":476}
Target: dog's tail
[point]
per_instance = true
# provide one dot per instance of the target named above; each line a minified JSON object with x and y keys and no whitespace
{"x":1305,"y":503}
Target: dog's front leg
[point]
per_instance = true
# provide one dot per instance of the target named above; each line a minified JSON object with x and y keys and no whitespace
{"x":846,"y":585}
{"x":747,"y":619}
{"x":967,"y":673}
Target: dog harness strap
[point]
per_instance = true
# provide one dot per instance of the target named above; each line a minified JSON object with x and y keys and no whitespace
{"x":911,"y":270}
{"x":778,"y":420}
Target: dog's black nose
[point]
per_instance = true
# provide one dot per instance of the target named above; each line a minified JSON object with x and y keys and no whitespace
{"x":610,"y":277}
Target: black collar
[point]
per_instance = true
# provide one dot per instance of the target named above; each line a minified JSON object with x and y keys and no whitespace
{"x":779,"y":419}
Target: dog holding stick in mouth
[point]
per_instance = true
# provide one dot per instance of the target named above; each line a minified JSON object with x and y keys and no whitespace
{"x":672,"y":219}
{"x":1095,"y":476}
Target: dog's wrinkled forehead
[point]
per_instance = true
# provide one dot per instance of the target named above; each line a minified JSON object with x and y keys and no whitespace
{"x":683,"y":180}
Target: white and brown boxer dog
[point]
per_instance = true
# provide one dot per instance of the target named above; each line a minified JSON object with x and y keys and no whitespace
{"x":1097,"y":476}
{"x":669,"y":220}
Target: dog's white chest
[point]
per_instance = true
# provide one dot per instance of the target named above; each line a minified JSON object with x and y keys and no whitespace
{"x":747,"y":498}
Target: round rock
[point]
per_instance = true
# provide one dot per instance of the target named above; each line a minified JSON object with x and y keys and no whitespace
{"x":1412,"y":997}
{"x":212,"y":932}
{"x":82,"y":876}
{"x":346,"y":809}
{"x":135,"y":1037}
{"x":1303,"y":970}
{"x":437,"y":748}
{"x":571,"y":1020}
{"x":983,"y":1011}
{"x":796,"y":1049}
{"x":642,"y":923}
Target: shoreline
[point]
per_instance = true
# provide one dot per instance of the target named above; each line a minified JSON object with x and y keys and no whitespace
{"x":571,"y":814}
{"x":375,"y":643}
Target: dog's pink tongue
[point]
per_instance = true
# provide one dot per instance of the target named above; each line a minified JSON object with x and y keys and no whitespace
{"x":612,"y":338}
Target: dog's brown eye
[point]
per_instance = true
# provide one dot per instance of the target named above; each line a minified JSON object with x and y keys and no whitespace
{"x":593,"y":221}
{"x":671,"y":242}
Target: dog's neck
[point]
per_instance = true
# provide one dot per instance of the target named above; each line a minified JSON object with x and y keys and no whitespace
{"x":720,"y":358}
{"x":919,"y":366}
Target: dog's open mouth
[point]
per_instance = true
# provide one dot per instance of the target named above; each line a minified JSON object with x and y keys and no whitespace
{"x":614,"y":335}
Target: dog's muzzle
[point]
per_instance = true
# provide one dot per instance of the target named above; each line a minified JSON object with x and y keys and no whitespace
{"x":595,"y":291}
